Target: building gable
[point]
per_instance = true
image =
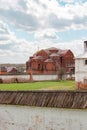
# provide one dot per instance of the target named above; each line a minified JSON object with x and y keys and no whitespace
{"x":42,"y":53}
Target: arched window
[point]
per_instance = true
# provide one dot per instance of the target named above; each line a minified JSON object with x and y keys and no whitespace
{"x":39,"y":66}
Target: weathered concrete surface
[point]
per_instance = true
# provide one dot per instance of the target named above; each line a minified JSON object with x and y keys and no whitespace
{"x":15,"y":117}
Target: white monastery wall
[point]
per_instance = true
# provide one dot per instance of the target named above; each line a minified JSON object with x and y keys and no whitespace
{"x":35,"y":77}
{"x":14,"y":76}
{"x":80,"y":70}
{"x":80,"y":65}
{"x":45,"y":77}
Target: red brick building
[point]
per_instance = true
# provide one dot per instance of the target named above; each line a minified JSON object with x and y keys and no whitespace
{"x":12,"y":70}
{"x":50,"y":61}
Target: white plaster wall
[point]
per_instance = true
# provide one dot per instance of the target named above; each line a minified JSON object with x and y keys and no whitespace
{"x":80,"y":65}
{"x":35,"y":77}
{"x":36,"y":118}
{"x":14,"y":76}
{"x":45,"y":77}
{"x":80,"y":70}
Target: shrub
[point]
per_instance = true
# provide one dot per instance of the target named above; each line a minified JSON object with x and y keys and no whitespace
{"x":7,"y":81}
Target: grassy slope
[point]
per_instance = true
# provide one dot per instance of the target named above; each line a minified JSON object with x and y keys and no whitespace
{"x":57,"y":85}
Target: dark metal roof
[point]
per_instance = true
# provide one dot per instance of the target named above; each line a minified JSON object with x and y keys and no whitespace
{"x":57,"y":99}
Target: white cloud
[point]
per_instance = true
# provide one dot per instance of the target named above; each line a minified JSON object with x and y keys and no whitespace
{"x":34,"y":15}
{"x":5,"y":34}
{"x":67,"y":1}
{"x":46,"y":34}
{"x":43,"y":19}
{"x":75,"y":46}
{"x":20,"y":19}
{"x":11,"y":48}
{"x":18,"y":50}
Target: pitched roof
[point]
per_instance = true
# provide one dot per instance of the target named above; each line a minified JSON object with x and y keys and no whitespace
{"x":38,"y":57}
{"x":10,"y":68}
{"x":46,"y":51}
{"x":56,"y":99}
{"x":82,"y":56}
{"x":54,"y":54}
{"x":62,"y":52}
{"x":48,"y":60}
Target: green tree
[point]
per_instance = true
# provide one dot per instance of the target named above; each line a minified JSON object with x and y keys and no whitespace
{"x":61,"y":73}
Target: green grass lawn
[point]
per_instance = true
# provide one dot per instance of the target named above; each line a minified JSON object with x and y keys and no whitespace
{"x":48,"y":85}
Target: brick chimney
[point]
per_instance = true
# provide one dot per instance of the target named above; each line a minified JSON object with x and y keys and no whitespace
{"x":85,"y":46}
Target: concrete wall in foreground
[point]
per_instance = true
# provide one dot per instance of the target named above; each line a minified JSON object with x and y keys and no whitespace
{"x":15,"y":117}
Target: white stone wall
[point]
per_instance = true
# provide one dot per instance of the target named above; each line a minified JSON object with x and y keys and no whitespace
{"x":45,"y":77}
{"x":35,"y":77}
{"x":14,"y":117}
{"x":14,"y":76}
{"x":80,"y":70}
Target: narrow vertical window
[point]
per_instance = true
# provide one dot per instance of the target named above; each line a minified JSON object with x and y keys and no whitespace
{"x":85,"y":62}
{"x":85,"y":81}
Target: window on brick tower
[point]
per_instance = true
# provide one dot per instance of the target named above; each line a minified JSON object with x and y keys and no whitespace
{"x":85,"y":62}
{"x":61,"y":59}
